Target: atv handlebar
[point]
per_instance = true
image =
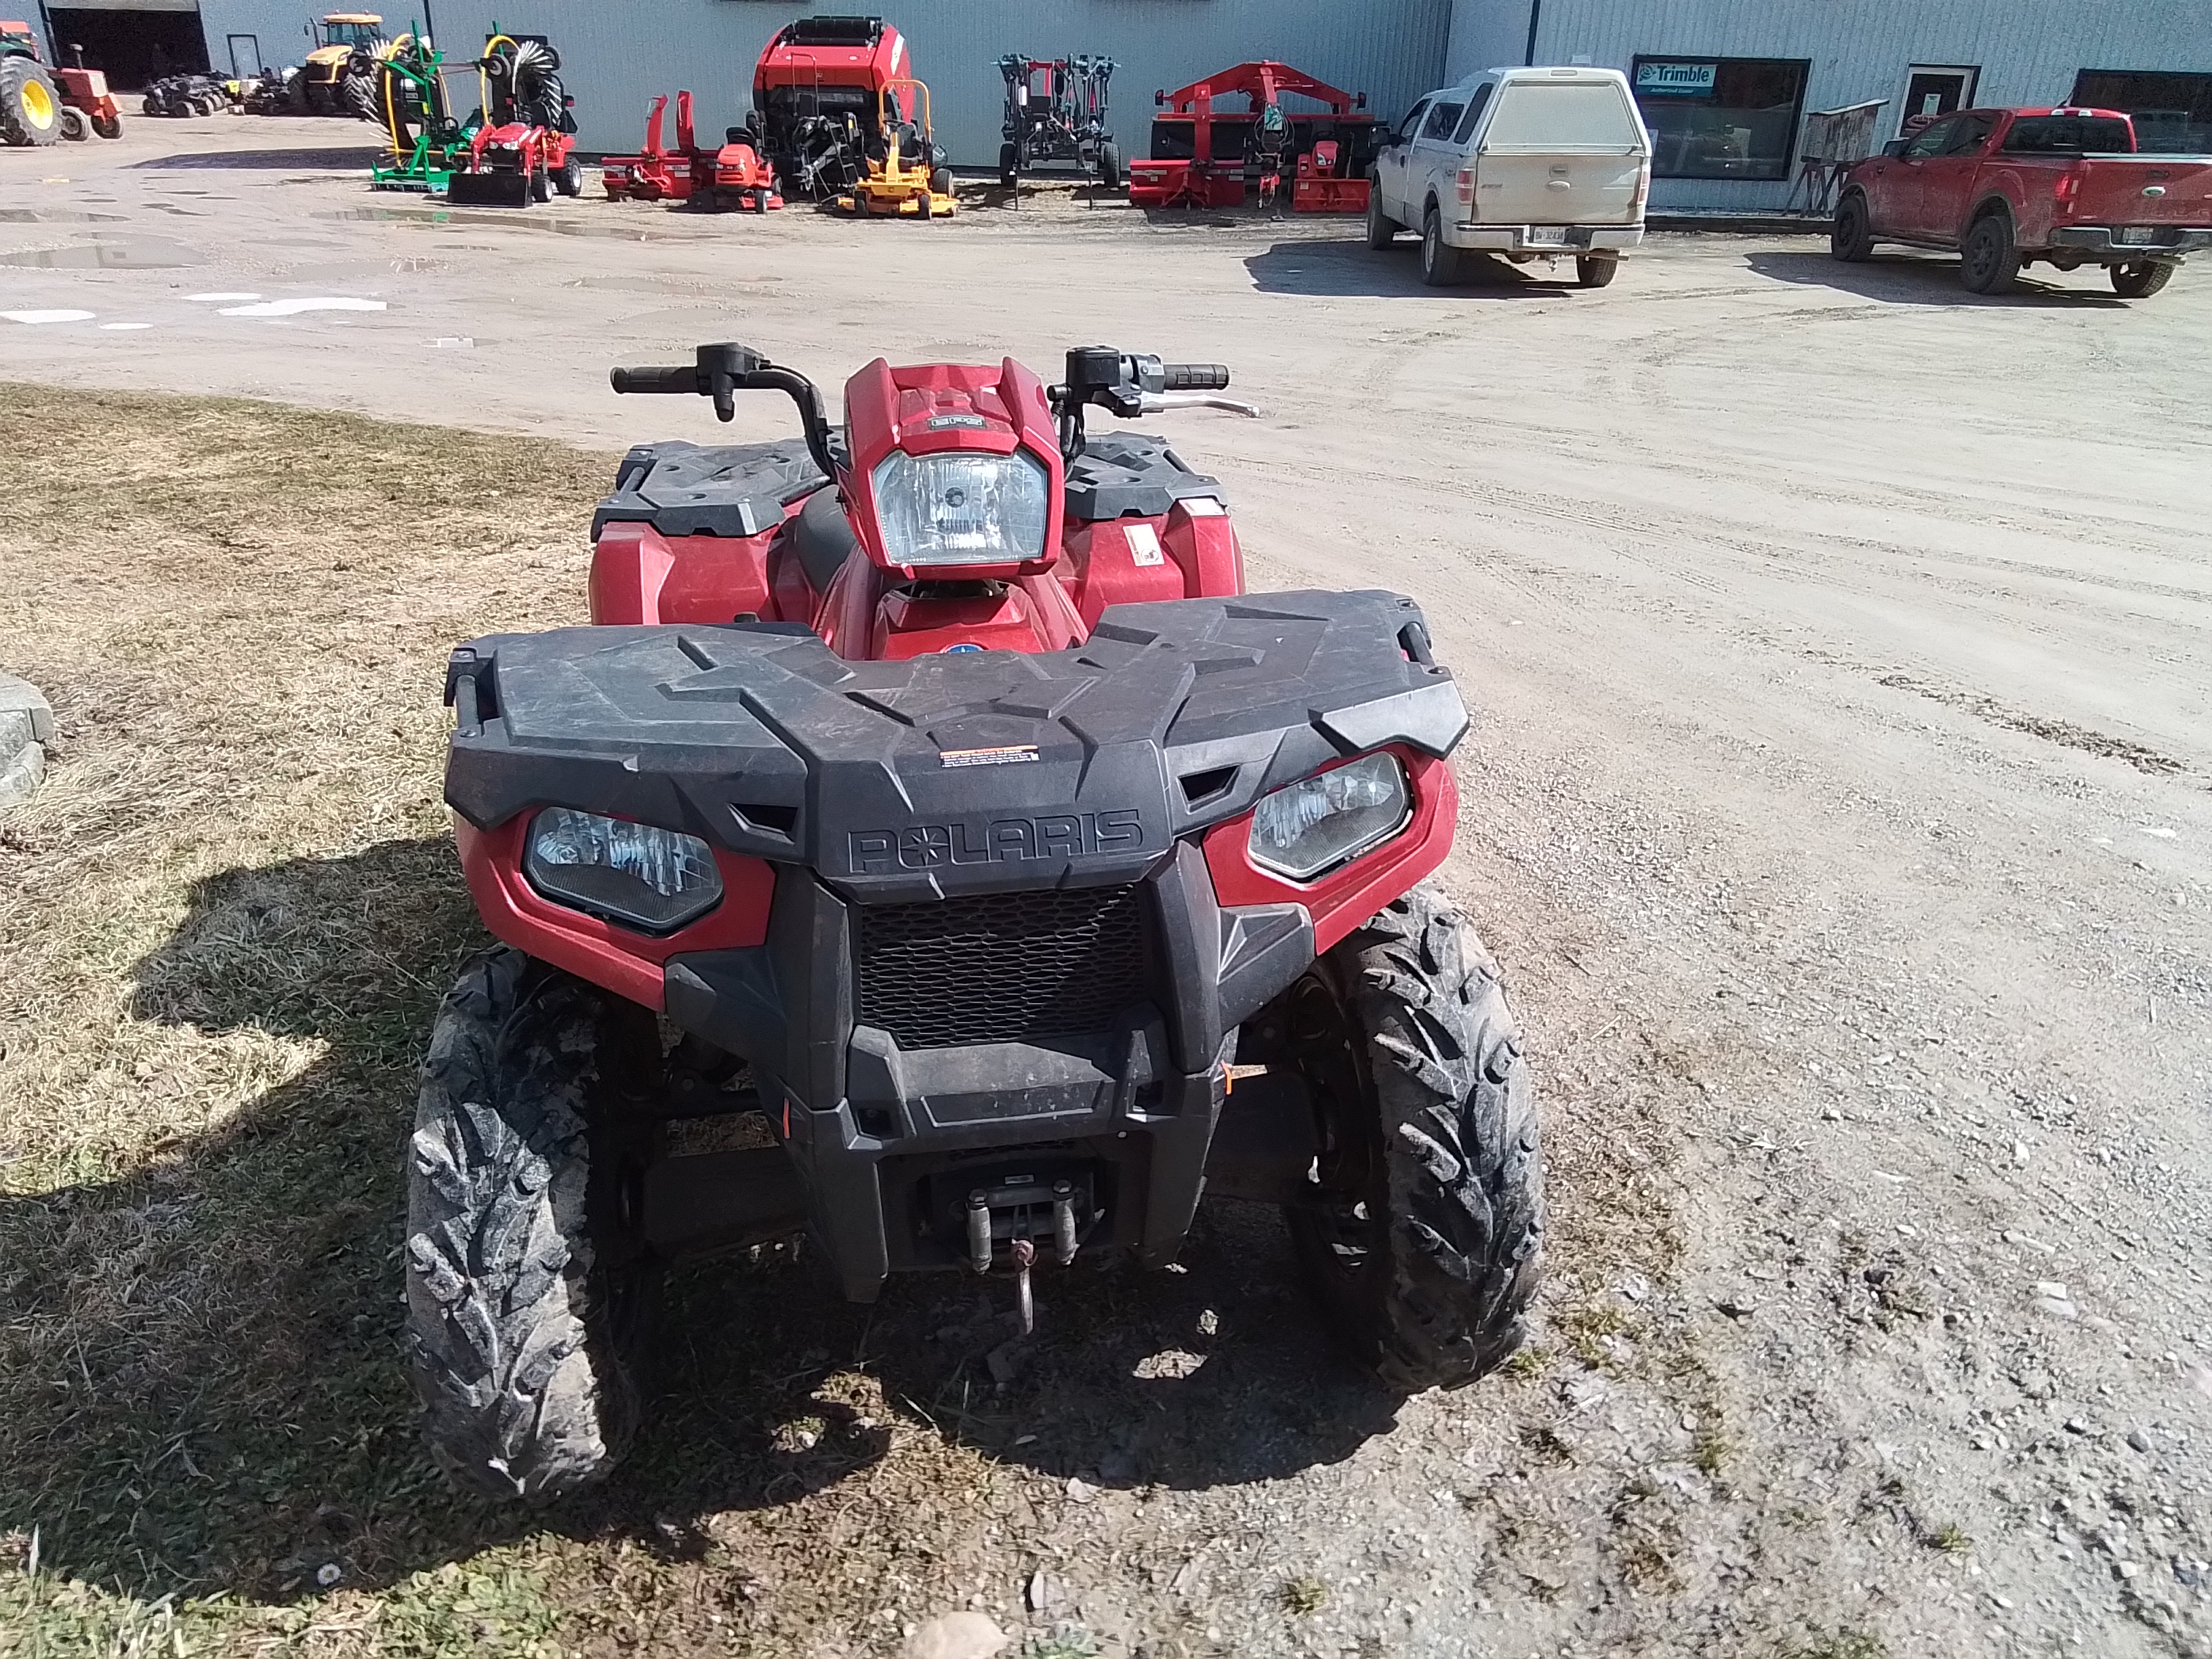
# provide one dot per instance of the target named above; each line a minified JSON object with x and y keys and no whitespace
{"x":1193,"y":377}
{"x":721,"y":372}
{"x":1131,"y":384}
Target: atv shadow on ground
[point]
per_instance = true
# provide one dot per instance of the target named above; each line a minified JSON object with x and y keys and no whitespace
{"x":219,"y":1402}
{"x":1920,"y":279}
{"x":1352,"y":270}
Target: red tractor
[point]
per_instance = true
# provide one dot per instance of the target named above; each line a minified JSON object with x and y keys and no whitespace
{"x":40,"y":102}
{"x":730,"y":178}
{"x":1202,"y":158}
{"x":526,"y":147}
{"x":932,"y":812}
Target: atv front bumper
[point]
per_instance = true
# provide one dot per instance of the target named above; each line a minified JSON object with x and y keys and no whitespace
{"x":987,"y":929}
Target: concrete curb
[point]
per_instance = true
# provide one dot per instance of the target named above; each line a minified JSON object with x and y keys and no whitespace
{"x":26,"y":723}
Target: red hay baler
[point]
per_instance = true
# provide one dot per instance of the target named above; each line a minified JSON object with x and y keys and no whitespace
{"x":1202,"y":157}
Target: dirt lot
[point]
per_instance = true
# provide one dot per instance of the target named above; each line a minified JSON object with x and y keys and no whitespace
{"x":1837,"y":802}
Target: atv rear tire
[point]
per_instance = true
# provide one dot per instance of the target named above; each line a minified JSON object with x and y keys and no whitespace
{"x":527,"y":1284}
{"x":30,"y":108}
{"x":1381,"y":228}
{"x":1440,"y":260}
{"x":1425,"y":1242}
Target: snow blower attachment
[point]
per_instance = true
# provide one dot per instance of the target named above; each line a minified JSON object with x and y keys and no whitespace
{"x":1056,"y":111}
{"x":1202,"y":158}
{"x":908,"y":179}
{"x":525,"y":147}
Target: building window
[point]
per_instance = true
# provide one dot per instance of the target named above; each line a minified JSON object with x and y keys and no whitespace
{"x":1721,"y":118}
{"x":2172,"y":112}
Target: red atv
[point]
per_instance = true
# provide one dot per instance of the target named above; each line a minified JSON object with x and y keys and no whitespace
{"x":1001,"y":871}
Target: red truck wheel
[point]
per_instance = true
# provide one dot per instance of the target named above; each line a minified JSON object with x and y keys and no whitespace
{"x":1851,"y":239}
{"x":1989,"y":262}
{"x":2141,"y":280}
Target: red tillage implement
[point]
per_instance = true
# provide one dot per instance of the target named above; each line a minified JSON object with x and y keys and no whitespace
{"x":1202,"y":157}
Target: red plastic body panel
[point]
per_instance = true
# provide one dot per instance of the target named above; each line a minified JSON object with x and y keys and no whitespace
{"x":621,"y":959}
{"x":1341,"y":901}
{"x":1190,"y":554}
{"x":783,"y":64}
{"x":928,"y":410}
{"x":639,"y":575}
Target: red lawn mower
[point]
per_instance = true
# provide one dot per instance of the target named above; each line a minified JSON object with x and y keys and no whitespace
{"x":929,"y":802}
{"x":731,"y":179}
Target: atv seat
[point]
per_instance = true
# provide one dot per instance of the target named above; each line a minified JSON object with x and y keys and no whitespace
{"x":822,"y":537}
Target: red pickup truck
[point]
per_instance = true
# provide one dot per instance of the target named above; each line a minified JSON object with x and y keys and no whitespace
{"x":2007,"y":187}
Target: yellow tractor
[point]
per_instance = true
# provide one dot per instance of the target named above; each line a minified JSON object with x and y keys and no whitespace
{"x":911,"y":178}
{"x":340,"y":74}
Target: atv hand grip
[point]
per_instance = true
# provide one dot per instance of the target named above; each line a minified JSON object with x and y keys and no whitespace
{"x":1194,"y":377}
{"x":682,"y":379}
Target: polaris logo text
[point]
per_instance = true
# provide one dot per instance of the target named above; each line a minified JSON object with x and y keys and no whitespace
{"x":1003,"y":841}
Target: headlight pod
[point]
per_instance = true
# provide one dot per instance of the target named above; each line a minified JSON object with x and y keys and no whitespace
{"x":654,"y":880}
{"x":959,"y":508}
{"x":1308,"y":828}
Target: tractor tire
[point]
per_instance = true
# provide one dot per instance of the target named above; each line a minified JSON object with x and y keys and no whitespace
{"x":1988,"y":261}
{"x":570,"y":180}
{"x":541,"y":184}
{"x":1010,"y":166}
{"x":357,"y":98}
{"x":1109,"y":165}
{"x":1440,"y":260}
{"x":1850,"y":239}
{"x":322,"y":97}
{"x":2141,"y":279}
{"x":107,"y":126}
{"x":1381,"y":228}
{"x":1595,"y":269}
{"x":299,"y":93}
{"x":30,"y":108}
{"x":74,"y":127}
{"x":1425,"y":1242}
{"x":528,"y":1289}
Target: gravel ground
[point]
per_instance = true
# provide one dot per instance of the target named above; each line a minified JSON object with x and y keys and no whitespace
{"x":1837,"y":802}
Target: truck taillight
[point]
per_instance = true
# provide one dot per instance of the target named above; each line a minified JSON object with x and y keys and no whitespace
{"x":1636,"y":202}
{"x":1465,"y":186}
{"x":2068,"y":188}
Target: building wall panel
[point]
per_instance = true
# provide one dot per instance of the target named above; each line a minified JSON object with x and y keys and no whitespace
{"x":617,"y":56}
{"x":2028,"y":50}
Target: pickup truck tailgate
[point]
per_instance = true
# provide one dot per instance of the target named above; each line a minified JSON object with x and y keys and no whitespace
{"x":2141,"y":191}
{"x":1570,"y":153}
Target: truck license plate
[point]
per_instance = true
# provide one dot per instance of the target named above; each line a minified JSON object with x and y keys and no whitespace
{"x":2135,"y":233}
{"x":1547,"y":236}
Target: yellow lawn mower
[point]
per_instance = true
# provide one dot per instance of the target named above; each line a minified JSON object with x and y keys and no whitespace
{"x":908,"y":179}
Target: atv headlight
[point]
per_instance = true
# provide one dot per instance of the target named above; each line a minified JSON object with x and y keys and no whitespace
{"x":959,"y":508}
{"x":651,"y":879}
{"x":1312,"y":826}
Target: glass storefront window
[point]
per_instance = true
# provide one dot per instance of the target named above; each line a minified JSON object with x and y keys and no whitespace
{"x":1721,"y":118}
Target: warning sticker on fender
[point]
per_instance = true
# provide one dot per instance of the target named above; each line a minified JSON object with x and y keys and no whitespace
{"x":1144,"y":544}
{"x":1011,"y":756}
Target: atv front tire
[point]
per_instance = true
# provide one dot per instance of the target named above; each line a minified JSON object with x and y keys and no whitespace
{"x":528,"y":1285}
{"x":1424,"y":1239}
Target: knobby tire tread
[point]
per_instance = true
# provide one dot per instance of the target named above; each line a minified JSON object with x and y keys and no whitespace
{"x":510,"y":1329}
{"x":1461,"y":1153}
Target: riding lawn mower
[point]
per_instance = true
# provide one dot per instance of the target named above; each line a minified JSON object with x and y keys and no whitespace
{"x":732,"y":178}
{"x":907,"y":179}
{"x":932,"y":829}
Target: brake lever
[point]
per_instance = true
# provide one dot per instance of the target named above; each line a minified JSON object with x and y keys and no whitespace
{"x":1151,"y":403}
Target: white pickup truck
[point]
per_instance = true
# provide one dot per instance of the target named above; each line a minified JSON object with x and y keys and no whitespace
{"x":1529,"y":163}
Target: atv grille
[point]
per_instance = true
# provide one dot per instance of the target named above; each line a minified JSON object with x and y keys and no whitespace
{"x":1001,"y":967}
